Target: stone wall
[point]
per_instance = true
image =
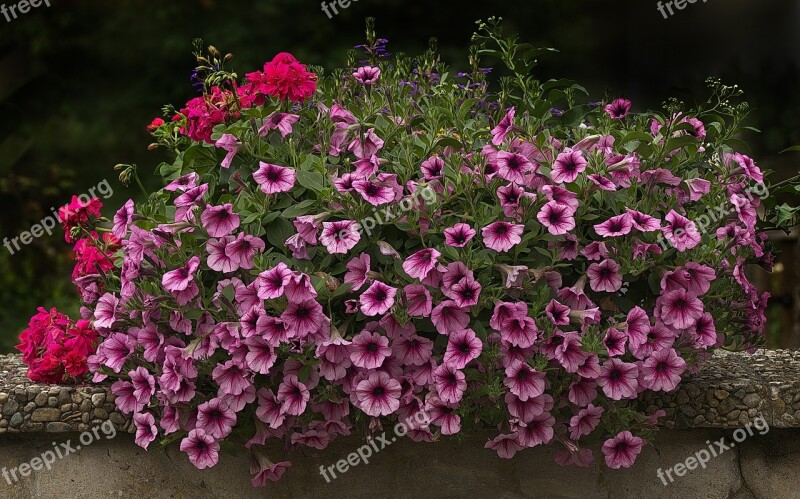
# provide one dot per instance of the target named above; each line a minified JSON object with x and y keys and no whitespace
{"x":731,"y":391}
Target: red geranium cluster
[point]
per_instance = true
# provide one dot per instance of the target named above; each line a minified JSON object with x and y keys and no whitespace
{"x":283,"y":78}
{"x":205,"y":112}
{"x":55,"y":349}
{"x":94,"y":255}
{"x":77,"y":214}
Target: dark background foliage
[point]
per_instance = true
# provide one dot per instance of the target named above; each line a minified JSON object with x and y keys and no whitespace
{"x":80,"y":80}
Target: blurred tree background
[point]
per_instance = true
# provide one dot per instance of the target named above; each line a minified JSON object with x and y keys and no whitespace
{"x":80,"y":80}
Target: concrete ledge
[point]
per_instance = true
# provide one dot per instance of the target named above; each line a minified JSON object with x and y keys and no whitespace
{"x":729,"y":391}
{"x":761,"y":467}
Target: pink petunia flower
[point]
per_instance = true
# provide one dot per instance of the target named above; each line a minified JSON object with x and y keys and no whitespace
{"x":505,"y":444}
{"x":377,"y":299}
{"x":202,"y":448}
{"x":358,"y":270}
{"x":217,"y":258}
{"x":366,"y":145}
{"x":605,"y":276}
{"x":374,"y":192}
{"x":219,"y":221}
{"x":144,"y":385}
{"x":412,"y":350}
{"x":524,"y":381}
{"x":502,"y":236}
{"x":274,"y":179}
{"x":232,"y":377}
{"x":584,"y":422}
{"x":503,"y":128}
{"x":662,"y":370}
{"x":369,"y":350}
{"x":432,"y":168}
{"x":367,"y":75}
{"x":243,"y":249}
{"x":293,"y":395}
{"x":216,"y":418}
{"x":537,"y":431}
{"x":419,"y":302}
{"x":231,"y":145}
{"x":450,"y":383}
{"x":681,"y":232}
{"x":558,"y":218}
{"x":283,"y":122}
{"x":679,"y":309}
{"x":308,"y":226}
{"x":340,"y":237}
{"x":123,"y":219}
{"x":183,"y":183}
{"x":567,"y":166}
{"x":615,"y":226}
{"x":561,"y":196}
{"x":459,"y":235}
{"x":557,"y":313}
{"x":260,"y":354}
{"x":615,"y":341}
{"x":618,"y":379}
{"x":462,"y":347}
{"x":180,"y":278}
{"x":465,"y":293}
{"x":105,"y":311}
{"x":418,"y":265}
{"x":378,"y":395}
{"x":643,"y":222}
{"x":443,"y":415}
{"x":272,"y":282}
{"x":447,"y":317}
{"x":264,"y":470}
{"x":699,"y":278}
{"x":622,"y":450}
{"x":520,"y":331}
{"x":618,"y":109}
{"x":270,"y":409}
{"x":602,"y":182}
{"x":146,"y":430}
{"x":299,"y":288}
{"x":303,"y":318}
{"x":513,"y":167}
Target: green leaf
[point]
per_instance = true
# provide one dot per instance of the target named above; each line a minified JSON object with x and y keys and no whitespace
{"x":791,"y":149}
{"x":199,"y":156}
{"x":785,"y":213}
{"x":575,"y":116}
{"x":679,"y":142}
{"x":310,"y":180}
{"x":279,"y":231}
{"x":449,"y":142}
{"x":298,"y":209}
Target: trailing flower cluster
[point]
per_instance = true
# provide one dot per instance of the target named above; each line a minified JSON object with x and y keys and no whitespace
{"x":531,"y":294}
{"x":54,"y":347}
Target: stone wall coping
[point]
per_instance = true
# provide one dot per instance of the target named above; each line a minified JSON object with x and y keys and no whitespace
{"x":730,"y":390}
